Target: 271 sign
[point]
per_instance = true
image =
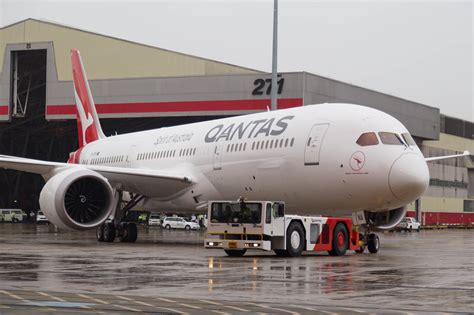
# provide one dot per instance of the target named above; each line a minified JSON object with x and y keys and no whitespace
{"x":262,"y":86}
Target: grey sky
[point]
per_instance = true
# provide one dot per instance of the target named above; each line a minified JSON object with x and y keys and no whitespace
{"x":421,"y":51}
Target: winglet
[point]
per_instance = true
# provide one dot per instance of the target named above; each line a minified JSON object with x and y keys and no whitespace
{"x":88,"y":125}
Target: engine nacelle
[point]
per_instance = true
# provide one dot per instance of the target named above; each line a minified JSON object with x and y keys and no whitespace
{"x":77,"y":199}
{"x":385,"y":220}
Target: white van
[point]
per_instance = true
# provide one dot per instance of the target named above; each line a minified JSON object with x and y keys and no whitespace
{"x":12,"y":215}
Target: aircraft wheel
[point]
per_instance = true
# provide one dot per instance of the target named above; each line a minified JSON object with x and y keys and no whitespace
{"x":373,"y":243}
{"x":235,"y":252}
{"x":340,"y":240}
{"x":109,"y":232}
{"x":132,"y":231}
{"x":100,"y":233}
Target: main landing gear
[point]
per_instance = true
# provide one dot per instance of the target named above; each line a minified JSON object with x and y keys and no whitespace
{"x":127,"y":232}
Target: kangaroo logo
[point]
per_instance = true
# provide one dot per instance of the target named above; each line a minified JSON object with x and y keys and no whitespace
{"x":357,"y":161}
{"x":86,"y":119}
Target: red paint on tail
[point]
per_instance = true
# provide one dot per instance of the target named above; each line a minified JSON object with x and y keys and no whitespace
{"x":87,"y":122}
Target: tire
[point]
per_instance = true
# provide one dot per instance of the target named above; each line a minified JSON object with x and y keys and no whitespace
{"x":109,"y":232}
{"x":100,"y":233}
{"x":168,"y":227}
{"x":418,"y":229}
{"x":15,"y":220}
{"x":340,"y":240}
{"x":123,"y":232}
{"x":373,"y":243}
{"x":295,"y":241}
{"x":132,"y":231}
{"x":187,"y":228}
{"x":235,"y":252}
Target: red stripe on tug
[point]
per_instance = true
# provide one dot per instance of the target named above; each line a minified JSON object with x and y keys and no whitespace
{"x":325,"y":239}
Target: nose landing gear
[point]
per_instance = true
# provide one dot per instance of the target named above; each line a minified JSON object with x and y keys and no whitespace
{"x":369,"y":240}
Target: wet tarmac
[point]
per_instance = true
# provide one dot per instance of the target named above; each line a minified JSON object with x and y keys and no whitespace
{"x":170,"y":272}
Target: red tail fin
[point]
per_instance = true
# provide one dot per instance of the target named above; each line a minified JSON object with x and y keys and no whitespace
{"x":88,"y":124}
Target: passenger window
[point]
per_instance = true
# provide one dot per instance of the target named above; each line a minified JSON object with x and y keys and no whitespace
{"x":408,"y":139}
{"x":390,"y":138}
{"x":368,"y":138}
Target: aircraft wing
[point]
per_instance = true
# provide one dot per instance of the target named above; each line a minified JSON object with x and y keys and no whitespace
{"x":148,"y":182}
{"x":436,"y":158}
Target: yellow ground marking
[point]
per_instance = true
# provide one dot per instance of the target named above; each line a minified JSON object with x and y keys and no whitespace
{"x":151,"y":305}
{"x":274,"y":308}
{"x":93,"y":299}
{"x":228,"y":306}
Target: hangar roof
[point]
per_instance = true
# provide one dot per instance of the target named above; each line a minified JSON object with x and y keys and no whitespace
{"x":103,"y":53}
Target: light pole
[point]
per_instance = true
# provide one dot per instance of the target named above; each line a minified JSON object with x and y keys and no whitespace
{"x":274,"y":56}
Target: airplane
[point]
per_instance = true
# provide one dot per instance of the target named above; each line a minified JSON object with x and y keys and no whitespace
{"x":327,"y":159}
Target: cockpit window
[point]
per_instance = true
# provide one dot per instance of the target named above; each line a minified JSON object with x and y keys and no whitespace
{"x":390,"y":138}
{"x":408,"y":139}
{"x":368,"y":138}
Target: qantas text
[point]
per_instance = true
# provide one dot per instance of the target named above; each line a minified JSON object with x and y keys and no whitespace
{"x":252,"y":129}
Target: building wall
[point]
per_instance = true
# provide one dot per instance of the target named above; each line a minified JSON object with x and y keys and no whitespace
{"x":110,"y":58}
{"x":421,"y":120}
{"x":450,"y":196}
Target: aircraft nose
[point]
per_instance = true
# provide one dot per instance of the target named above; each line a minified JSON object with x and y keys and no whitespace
{"x":409,"y":177}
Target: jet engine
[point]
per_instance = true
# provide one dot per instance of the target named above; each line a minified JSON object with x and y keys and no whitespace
{"x":77,"y":199}
{"x":385,"y":220}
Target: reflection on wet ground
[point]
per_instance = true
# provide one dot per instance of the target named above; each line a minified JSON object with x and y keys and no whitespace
{"x":426,"y":271}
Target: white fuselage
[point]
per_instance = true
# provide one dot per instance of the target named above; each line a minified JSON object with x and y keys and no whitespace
{"x":306,"y":156}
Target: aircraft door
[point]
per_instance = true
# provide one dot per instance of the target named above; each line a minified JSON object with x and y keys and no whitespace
{"x":217,"y":159}
{"x":313,"y":144}
{"x":131,"y":151}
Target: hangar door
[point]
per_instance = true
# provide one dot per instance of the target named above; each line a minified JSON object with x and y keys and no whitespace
{"x":28,"y":82}
{"x":314,"y":143}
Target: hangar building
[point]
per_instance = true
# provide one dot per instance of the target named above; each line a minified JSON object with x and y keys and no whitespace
{"x":138,"y":87}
